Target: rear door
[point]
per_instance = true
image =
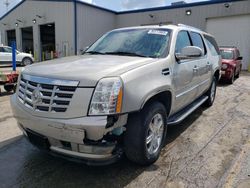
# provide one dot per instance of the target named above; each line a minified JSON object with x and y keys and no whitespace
{"x":185,"y":75}
{"x":204,"y":64}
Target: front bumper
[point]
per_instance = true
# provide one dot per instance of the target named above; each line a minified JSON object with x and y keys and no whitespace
{"x":226,"y":74}
{"x":66,"y":136}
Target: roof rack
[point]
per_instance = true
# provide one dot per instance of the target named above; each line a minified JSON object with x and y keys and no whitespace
{"x":191,"y":27}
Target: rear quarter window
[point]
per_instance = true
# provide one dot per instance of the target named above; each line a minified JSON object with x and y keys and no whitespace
{"x":212,"y":45}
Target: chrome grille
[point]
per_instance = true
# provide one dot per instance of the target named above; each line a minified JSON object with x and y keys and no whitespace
{"x":45,"y":97}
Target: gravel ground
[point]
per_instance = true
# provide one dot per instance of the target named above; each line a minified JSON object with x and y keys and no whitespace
{"x":211,"y":148}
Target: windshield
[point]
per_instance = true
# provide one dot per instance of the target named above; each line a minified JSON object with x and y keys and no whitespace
{"x":227,"y":54}
{"x":133,"y":42}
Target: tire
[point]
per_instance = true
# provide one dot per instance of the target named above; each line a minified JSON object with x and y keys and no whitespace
{"x":26,"y":61}
{"x":211,"y":93}
{"x":142,"y":144}
{"x":231,"y":81}
{"x":9,"y":88}
{"x":238,"y":75}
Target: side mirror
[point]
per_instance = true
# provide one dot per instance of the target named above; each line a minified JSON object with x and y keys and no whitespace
{"x":189,"y":52}
{"x":239,"y":58}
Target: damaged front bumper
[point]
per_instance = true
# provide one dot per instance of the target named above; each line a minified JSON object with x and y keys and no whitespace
{"x":70,"y":137}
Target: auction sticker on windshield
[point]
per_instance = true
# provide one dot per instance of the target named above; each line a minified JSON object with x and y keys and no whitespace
{"x":157,"y":32}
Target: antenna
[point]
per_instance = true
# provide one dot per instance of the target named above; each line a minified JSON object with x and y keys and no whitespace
{"x":6,"y":3}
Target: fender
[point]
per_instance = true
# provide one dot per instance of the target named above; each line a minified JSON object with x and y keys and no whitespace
{"x":155,"y":92}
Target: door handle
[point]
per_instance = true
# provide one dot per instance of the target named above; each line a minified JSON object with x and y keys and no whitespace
{"x":195,"y":69}
{"x":165,"y":71}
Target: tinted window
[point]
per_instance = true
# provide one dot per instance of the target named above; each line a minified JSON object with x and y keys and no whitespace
{"x":212,"y":44}
{"x":197,"y":41}
{"x":8,"y":50}
{"x":1,"y":49}
{"x":182,"y":41}
{"x":211,"y":48}
{"x":227,"y":54}
{"x":237,"y":53}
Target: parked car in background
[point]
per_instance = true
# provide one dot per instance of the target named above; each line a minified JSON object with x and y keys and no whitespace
{"x":21,"y":58}
{"x":231,"y":63}
{"x":119,"y":96}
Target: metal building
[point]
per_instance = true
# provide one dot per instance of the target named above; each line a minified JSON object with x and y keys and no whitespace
{"x":57,"y":28}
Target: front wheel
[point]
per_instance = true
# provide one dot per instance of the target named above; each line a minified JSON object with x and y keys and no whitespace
{"x":231,"y":81}
{"x":145,"y":134}
{"x":211,"y":93}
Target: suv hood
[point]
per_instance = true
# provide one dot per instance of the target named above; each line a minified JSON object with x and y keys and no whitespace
{"x":87,"y":69}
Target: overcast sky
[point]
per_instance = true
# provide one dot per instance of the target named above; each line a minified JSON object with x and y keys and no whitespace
{"x":117,"y":5}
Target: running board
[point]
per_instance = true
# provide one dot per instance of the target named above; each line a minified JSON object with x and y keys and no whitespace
{"x":181,"y":115}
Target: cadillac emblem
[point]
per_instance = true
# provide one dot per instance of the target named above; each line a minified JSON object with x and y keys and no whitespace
{"x":36,"y":96}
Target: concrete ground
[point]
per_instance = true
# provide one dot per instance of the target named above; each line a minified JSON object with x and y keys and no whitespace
{"x":211,"y":148}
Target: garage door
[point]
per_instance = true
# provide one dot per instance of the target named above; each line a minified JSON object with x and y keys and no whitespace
{"x":232,"y":31}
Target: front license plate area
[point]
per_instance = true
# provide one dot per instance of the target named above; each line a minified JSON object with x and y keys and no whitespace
{"x":38,"y":140}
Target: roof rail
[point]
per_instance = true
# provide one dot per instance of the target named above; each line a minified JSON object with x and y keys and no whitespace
{"x":191,"y":27}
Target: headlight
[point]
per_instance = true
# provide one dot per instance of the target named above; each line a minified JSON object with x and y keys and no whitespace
{"x":224,"y":66}
{"x":107,"y":97}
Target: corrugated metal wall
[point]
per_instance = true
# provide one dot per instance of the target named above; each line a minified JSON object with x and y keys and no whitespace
{"x":60,"y":13}
{"x":92,"y":23}
{"x":196,"y":19}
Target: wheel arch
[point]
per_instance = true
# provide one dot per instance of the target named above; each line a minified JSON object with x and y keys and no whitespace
{"x":165,"y":97}
{"x":217,"y":75}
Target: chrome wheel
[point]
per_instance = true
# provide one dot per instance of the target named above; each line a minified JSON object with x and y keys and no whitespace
{"x":155,"y":134}
{"x":212,"y":94}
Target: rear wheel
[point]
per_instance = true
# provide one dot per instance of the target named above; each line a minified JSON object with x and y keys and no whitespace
{"x":145,"y":134}
{"x":211,"y":93}
{"x":27,"y":61}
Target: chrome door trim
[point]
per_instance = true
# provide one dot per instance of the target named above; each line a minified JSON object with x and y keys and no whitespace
{"x":192,"y":88}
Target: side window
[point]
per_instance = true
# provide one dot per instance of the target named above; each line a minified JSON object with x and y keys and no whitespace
{"x":237,"y":53}
{"x":197,"y":41}
{"x":1,"y":49}
{"x":212,"y":45}
{"x":182,"y":41}
{"x":7,"y":50}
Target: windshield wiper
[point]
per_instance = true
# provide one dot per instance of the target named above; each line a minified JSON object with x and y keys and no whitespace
{"x":125,"y":54}
{"x":95,"y":52}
